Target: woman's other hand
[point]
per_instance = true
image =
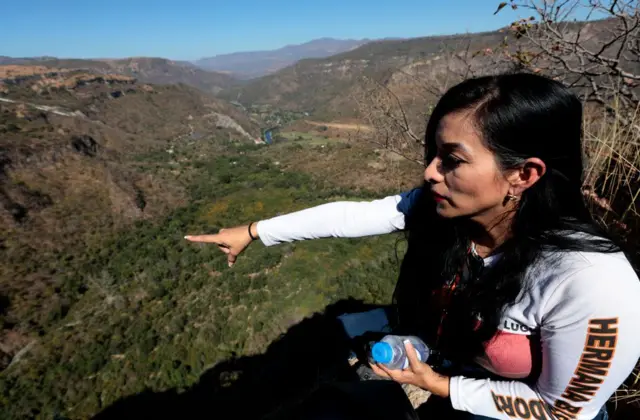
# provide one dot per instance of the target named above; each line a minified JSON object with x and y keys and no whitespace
{"x":418,"y":374}
{"x":231,"y":241}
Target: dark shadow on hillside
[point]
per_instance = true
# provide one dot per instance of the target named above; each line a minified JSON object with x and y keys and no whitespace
{"x":310,"y":353}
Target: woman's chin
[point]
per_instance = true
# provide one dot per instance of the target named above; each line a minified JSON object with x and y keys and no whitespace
{"x":444,"y":209}
{"x":447,"y":211}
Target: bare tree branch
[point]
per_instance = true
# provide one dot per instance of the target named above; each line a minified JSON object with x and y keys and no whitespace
{"x":601,"y":66}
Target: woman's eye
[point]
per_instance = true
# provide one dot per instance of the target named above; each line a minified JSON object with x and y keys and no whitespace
{"x":451,"y":161}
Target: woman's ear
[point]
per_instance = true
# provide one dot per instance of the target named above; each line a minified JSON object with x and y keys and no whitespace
{"x":526,"y":175}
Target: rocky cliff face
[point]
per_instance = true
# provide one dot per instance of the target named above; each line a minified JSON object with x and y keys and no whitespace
{"x":145,"y":69}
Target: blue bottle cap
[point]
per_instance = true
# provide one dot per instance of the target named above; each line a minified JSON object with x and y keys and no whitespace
{"x":382,"y":352}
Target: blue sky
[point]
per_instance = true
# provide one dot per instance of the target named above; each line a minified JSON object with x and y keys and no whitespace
{"x":190,"y":29}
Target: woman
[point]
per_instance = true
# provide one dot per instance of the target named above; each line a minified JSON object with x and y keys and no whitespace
{"x":506,"y":274}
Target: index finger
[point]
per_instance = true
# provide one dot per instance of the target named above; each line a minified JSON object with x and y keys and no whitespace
{"x":412,"y":356}
{"x":380,"y":370}
{"x":213,"y":239}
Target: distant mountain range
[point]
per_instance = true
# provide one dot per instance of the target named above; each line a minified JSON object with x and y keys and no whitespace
{"x":211,"y":74}
{"x":325,"y":86}
{"x":253,"y":64}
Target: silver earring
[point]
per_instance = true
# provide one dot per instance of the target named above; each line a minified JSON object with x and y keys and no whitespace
{"x":511,"y":197}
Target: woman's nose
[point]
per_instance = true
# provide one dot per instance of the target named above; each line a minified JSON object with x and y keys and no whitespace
{"x":432,"y":173}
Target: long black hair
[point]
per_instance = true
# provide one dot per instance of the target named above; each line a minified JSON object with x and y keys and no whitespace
{"x":519,"y":116}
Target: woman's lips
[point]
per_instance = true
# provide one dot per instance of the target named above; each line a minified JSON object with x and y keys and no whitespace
{"x":437,"y":197}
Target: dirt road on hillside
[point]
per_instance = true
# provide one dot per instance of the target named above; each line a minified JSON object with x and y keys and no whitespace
{"x":342,"y":126}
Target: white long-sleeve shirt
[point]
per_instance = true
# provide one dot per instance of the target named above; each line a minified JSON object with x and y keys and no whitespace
{"x":583,"y":308}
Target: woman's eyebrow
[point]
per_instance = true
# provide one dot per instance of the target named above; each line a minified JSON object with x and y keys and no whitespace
{"x":454,"y":147}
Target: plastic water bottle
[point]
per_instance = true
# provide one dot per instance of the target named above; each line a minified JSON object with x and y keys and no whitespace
{"x":390,"y":351}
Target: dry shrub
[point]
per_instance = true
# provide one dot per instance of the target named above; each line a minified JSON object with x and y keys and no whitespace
{"x":612,"y":180}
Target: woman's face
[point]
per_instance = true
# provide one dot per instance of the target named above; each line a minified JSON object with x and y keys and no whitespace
{"x":464,"y":176}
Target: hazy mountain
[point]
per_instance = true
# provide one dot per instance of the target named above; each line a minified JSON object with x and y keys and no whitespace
{"x":254,"y":64}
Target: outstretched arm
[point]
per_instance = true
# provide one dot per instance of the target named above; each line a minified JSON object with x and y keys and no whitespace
{"x":342,"y":219}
